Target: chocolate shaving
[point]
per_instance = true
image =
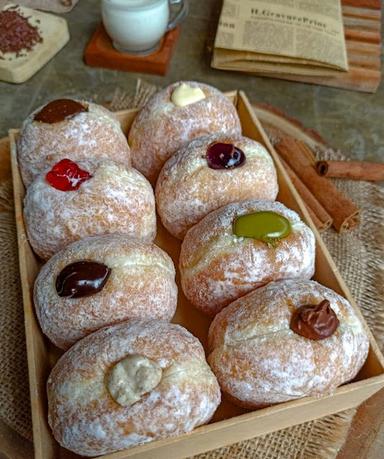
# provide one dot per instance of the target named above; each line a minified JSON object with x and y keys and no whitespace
{"x":16,"y":33}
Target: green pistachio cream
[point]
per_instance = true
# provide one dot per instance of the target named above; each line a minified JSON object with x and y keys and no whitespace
{"x":265,"y":226}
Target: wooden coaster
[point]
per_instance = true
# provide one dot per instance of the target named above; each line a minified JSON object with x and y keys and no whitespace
{"x":101,"y":53}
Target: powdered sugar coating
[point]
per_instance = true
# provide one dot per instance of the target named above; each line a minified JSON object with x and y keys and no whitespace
{"x":95,"y":133}
{"x":259,"y":360}
{"x":114,"y":200}
{"x":218,"y":267}
{"x":161,"y":128}
{"x":141,"y":286}
{"x":187,"y":189}
{"x":84,"y":417}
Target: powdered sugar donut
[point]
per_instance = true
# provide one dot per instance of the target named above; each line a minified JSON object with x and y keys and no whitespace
{"x":67,"y":128}
{"x":75,"y":200}
{"x":260,"y":360}
{"x":100,"y":281}
{"x":129,"y":384}
{"x":217,"y":265}
{"x":209,"y":173}
{"x":172,"y":118}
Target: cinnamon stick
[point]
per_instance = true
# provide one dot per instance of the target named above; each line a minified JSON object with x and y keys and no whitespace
{"x":319,"y":215}
{"x":315,"y":219}
{"x":354,"y":170}
{"x":344,"y":213}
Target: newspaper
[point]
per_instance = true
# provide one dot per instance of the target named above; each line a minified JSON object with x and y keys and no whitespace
{"x":287,"y":36}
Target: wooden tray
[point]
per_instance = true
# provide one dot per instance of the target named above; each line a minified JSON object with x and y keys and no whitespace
{"x":230,"y":424}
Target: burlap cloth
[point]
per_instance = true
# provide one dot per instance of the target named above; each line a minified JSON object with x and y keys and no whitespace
{"x":358,"y":255}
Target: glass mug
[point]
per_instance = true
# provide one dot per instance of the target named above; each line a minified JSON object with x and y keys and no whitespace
{"x":137,"y":26}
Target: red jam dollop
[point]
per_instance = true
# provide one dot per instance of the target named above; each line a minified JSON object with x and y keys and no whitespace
{"x":224,"y":156}
{"x":66,"y":175}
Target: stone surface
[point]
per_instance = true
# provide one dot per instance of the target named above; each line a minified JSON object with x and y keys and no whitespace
{"x":350,"y":121}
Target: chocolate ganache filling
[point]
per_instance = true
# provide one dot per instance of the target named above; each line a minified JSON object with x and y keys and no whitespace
{"x":59,"y":110}
{"x":82,"y":278}
{"x":315,"y":322}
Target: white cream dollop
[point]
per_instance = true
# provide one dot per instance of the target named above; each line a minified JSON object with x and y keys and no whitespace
{"x":185,"y":95}
{"x":133,"y":377}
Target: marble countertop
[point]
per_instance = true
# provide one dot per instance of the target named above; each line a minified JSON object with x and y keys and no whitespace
{"x":349,"y":121}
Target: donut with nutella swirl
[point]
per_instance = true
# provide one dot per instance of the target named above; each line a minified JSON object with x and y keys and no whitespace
{"x":289,"y":339}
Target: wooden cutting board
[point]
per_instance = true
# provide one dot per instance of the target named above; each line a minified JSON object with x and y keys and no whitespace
{"x":54,"y":32}
{"x":362,"y":27}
